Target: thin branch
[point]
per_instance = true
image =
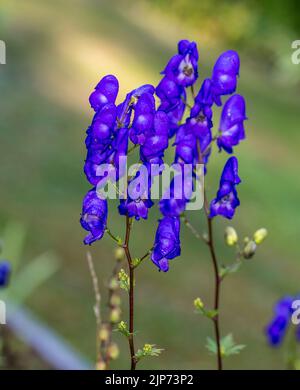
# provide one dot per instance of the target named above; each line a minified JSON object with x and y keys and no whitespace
{"x":191,"y":227}
{"x":97,"y":305}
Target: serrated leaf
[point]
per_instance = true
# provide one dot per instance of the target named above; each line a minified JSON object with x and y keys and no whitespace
{"x":228,"y":346}
{"x":211,"y":345}
{"x":148,"y":350}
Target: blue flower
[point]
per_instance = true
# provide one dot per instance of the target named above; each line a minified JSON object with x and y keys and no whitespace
{"x":94,"y":216}
{"x":5,"y":271}
{"x":138,"y":196}
{"x":232,"y":123}
{"x":143,"y":121}
{"x":195,"y":130}
{"x":227,"y":199}
{"x":172,"y":98}
{"x":156,"y":140}
{"x":174,"y":201}
{"x":105,"y":92}
{"x":204,"y":100}
{"x":167,"y":242}
{"x":224,"y":75}
{"x":278,"y":326}
{"x":183,"y":67}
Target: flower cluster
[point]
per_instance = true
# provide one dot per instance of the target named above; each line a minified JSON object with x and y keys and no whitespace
{"x":281,"y":321}
{"x":5,"y":271}
{"x":137,"y":120}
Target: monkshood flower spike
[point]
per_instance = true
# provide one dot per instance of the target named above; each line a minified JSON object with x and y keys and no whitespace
{"x":177,"y":114}
{"x":285,"y":324}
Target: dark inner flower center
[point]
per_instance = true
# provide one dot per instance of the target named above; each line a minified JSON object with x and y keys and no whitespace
{"x":188,"y":70}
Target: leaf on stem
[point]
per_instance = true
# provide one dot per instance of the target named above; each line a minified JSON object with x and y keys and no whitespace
{"x":228,"y":346}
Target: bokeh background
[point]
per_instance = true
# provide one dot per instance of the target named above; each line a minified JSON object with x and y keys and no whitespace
{"x":56,"y":53}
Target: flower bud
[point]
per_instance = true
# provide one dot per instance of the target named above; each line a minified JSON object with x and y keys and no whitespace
{"x":113,"y":284}
{"x":113,"y":351}
{"x":104,"y":333}
{"x":119,"y":253}
{"x":115,"y":315}
{"x":115,"y":300}
{"x":260,"y":235}
{"x":198,"y":304}
{"x":147,"y":349}
{"x":122,"y":326}
{"x":249,"y":250}
{"x":231,"y":237}
{"x":101,"y":366}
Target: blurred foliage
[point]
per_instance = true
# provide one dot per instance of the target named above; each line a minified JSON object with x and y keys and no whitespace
{"x":57,"y":52}
{"x":28,"y":276}
{"x":262,"y":28}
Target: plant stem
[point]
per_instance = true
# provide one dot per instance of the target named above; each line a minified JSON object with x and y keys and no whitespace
{"x":131,"y":293}
{"x":218,"y":280}
{"x":210,"y":243}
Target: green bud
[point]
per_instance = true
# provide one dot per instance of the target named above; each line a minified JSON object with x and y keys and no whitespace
{"x":115,"y":300}
{"x":113,"y":284}
{"x":119,"y":254}
{"x":147,"y":349}
{"x":124,"y":280}
{"x":260,"y":235}
{"x":231,"y":237}
{"x":122,"y":327}
{"x":113,"y":351}
{"x":104,"y":333}
{"x":115,"y":315}
{"x":249,"y":250}
{"x":198,"y":304}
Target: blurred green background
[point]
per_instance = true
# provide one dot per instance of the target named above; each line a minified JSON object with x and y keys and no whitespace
{"x":56,"y":53}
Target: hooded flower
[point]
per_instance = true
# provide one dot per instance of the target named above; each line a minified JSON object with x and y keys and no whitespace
{"x":167,"y":242}
{"x":5,"y":271}
{"x":174,"y":200}
{"x":94,"y":216}
{"x":224,"y":75}
{"x":143,"y":121}
{"x":232,"y":123}
{"x":124,"y":109}
{"x":183,"y":67}
{"x":172,"y":97}
{"x":204,"y":100}
{"x":105,"y":92}
{"x":105,"y":143}
{"x":138,"y":196}
{"x":227,"y":199}
{"x":278,"y":326}
{"x":156,"y":140}
{"x":196,"y":130}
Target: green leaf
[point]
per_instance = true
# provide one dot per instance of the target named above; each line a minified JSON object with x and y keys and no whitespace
{"x":148,"y":350}
{"x":211,"y":345}
{"x":32,"y":276}
{"x":228,"y":346}
{"x":13,"y":239}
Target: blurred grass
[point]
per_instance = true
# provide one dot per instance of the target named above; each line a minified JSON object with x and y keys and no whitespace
{"x":57,"y":51}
